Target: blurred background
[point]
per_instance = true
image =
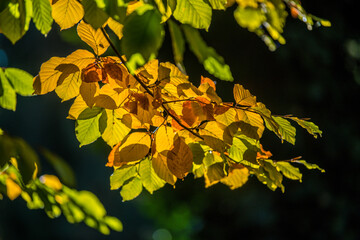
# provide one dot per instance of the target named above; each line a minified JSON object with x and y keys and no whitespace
{"x":316,"y":74}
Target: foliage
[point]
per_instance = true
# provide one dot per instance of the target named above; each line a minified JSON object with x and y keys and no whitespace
{"x":160,"y":126}
{"x":18,"y":177}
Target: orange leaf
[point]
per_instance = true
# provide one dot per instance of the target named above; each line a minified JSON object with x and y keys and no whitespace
{"x":180,"y":158}
{"x":209,"y":81}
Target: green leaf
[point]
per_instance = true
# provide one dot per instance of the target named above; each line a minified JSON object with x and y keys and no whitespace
{"x":218,"y":4}
{"x":121,"y":175}
{"x":131,"y":189}
{"x":21,"y":81}
{"x":7,"y":93}
{"x":7,"y":149}
{"x":286,"y":131}
{"x":289,"y":170}
{"x":274,"y":174}
{"x":212,"y":62}
{"x":310,"y":165}
{"x":42,"y":15}
{"x":311,"y":127}
{"x":197,"y":13}
{"x":250,"y":18}
{"x":61,"y":167}
{"x":15,"y":19}
{"x":149,"y":178}
{"x":244,"y":150}
{"x":94,"y":13}
{"x":143,"y":33}
{"x":87,"y":129}
{"x":177,"y":40}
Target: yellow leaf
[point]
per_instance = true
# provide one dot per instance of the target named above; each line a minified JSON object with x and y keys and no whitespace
{"x":164,"y":138}
{"x":149,"y":72}
{"x":159,"y":163}
{"x":116,"y":27}
{"x":169,"y":73}
{"x":110,"y":98}
{"x":149,"y":178}
{"x":237,"y":177}
{"x":13,"y":190}
{"x":243,"y":96}
{"x":251,"y":124}
{"x":67,"y":13}
{"x":77,"y":107}
{"x":214,"y":174}
{"x":131,"y":189}
{"x":115,"y":130}
{"x":134,"y":147}
{"x":51,"y":181}
{"x":213,"y":134}
{"x":180,"y":158}
{"x":69,"y":81}
{"x":48,"y":76}
{"x":81,"y":58}
{"x":94,"y":38}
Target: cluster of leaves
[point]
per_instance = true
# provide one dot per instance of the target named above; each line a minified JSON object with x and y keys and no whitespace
{"x":160,"y":126}
{"x":19,"y":167}
{"x":140,"y":24}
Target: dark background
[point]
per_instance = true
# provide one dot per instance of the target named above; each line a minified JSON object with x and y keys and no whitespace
{"x":316,"y":74}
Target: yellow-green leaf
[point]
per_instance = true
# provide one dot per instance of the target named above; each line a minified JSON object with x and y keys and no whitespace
{"x":94,"y":38}
{"x":289,"y":170}
{"x":121,"y":175}
{"x":115,"y":130}
{"x":20,"y":80}
{"x":131,"y":189}
{"x":87,"y":126}
{"x":197,"y":13}
{"x":42,"y":15}
{"x":149,"y":178}
{"x":7,"y":93}
{"x":177,"y":41}
{"x":69,"y":81}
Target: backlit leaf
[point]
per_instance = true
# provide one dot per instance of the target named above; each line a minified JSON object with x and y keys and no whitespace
{"x":214,"y":174}
{"x":179,"y":158}
{"x":149,"y":178}
{"x":243,"y":96}
{"x":115,"y":130}
{"x":20,"y":80}
{"x":159,"y":163}
{"x":121,"y":175}
{"x":237,"y":178}
{"x":13,"y":190}
{"x":94,"y":38}
{"x":310,"y":165}
{"x":197,"y":13}
{"x":177,"y":41}
{"x":244,"y":151}
{"x":42,"y":15}
{"x":206,"y":55}
{"x":131,"y":189}
{"x":311,"y":127}
{"x":164,"y":138}
{"x":87,"y":128}
{"x":7,"y":93}
{"x":116,"y":27}
{"x":69,"y":81}
{"x":218,"y":4}
{"x":67,"y":13}
{"x":286,"y":131}
{"x":77,"y":107}
{"x":289,"y":170}
{"x":94,"y":12}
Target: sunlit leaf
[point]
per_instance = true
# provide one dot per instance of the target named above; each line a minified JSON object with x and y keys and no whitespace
{"x":7,"y":93}
{"x":244,"y":151}
{"x":286,"y":131}
{"x":197,"y":13}
{"x":159,"y":163}
{"x":206,"y":55}
{"x":243,"y":96}
{"x":69,"y":81}
{"x":289,"y":170}
{"x":177,"y":41}
{"x":164,"y":138}
{"x":94,"y":12}
{"x":218,"y":4}
{"x":13,"y":190}
{"x":87,"y":126}
{"x":180,"y":158}
{"x":214,"y":174}
{"x":237,"y":177}
{"x":20,"y":80}
{"x":42,"y":15}
{"x":94,"y":38}
{"x":131,"y":189}
{"x":67,"y":13}
{"x":149,"y":178}
{"x":115,"y":130}
{"x":310,"y":165}
{"x":121,"y":175}
{"x":51,"y":181}
{"x":311,"y":127}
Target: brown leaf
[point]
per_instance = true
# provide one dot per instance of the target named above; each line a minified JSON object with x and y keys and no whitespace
{"x":179,"y":158}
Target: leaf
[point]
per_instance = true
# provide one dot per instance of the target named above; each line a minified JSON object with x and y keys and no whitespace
{"x":218,"y":4}
{"x":237,"y":178}
{"x":310,"y":165}
{"x":88,"y":92}
{"x":180,"y":158}
{"x":311,"y":127}
{"x":164,"y":138}
{"x":76,"y":108}
{"x":115,"y":131}
{"x":131,"y":189}
{"x":42,"y":15}
{"x":274,"y":174}
{"x":116,"y":27}
{"x":61,"y":167}
{"x":164,"y":9}
{"x":149,"y":178}
{"x":94,"y":38}
{"x":197,"y":13}
{"x":214,"y":174}
{"x":143,"y":33}
{"x":213,"y":134}
{"x":244,"y":151}
{"x":13,"y":190}
{"x":213,"y":62}
{"x":48,"y":76}
{"x":20,"y":80}
{"x":134,"y":147}
{"x":87,"y":126}
{"x":7,"y":93}
{"x":15,"y":19}
{"x":286,"y":131}
{"x":94,"y":12}
{"x":243,"y":96}
{"x":51,"y":181}
{"x":159,"y":163}
{"x":177,"y":41}
{"x":69,"y":81}
{"x":121,"y":175}
{"x":250,"y":18}
{"x":289,"y":170}
{"x":67,"y":13}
